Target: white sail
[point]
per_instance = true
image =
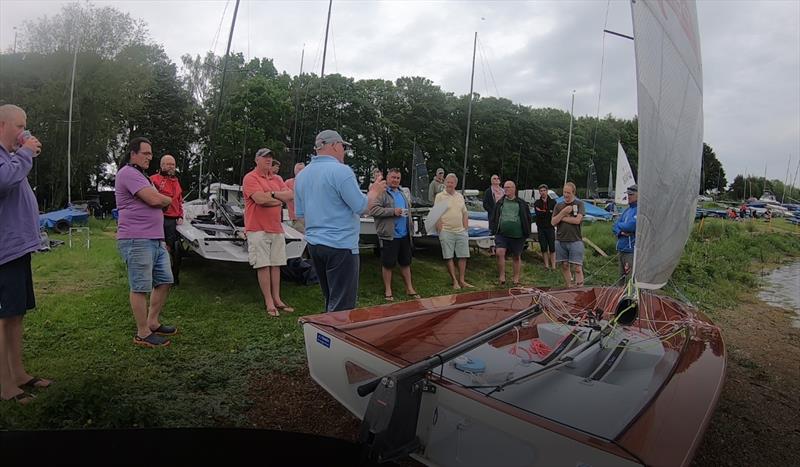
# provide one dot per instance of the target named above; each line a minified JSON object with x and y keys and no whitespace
{"x":624,"y":176}
{"x":670,"y":96}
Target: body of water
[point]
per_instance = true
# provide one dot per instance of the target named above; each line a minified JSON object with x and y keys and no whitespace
{"x":782,"y":289}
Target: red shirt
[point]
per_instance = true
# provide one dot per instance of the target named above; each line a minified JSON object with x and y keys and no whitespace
{"x":259,"y":218}
{"x":170,"y":186}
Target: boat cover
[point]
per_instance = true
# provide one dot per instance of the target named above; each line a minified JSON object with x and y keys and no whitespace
{"x":71,"y":215}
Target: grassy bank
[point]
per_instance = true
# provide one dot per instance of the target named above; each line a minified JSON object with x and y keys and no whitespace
{"x":81,"y":333}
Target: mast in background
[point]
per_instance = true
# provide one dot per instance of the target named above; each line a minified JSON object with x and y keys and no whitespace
{"x":469,"y":115}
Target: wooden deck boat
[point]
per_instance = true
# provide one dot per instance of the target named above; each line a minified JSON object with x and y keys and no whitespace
{"x":640,"y":395}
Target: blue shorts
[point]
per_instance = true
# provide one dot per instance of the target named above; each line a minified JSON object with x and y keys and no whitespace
{"x":147,"y":261}
{"x":571,"y":252}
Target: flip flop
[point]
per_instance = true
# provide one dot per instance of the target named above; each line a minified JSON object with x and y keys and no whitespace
{"x":22,"y":398}
{"x":286,"y":308}
{"x":33,"y":383}
{"x":388,"y":298}
{"x":274,"y":313}
{"x":414,"y":295}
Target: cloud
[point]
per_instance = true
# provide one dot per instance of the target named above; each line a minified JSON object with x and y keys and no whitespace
{"x":532,"y":52}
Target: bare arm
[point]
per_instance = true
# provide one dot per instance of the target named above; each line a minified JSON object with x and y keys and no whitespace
{"x":574,"y":220}
{"x":265,"y":199}
{"x":285,"y":196}
{"x":153,"y":198}
{"x":465,"y":220}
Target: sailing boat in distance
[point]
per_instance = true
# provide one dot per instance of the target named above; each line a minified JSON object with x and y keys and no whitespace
{"x":625,"y":177}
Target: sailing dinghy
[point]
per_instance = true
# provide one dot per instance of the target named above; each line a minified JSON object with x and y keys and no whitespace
{"x":594,"y":376}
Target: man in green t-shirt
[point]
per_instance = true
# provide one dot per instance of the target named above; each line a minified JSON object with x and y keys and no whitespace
{"x":510,"y":224}
{"x":567,"y":219}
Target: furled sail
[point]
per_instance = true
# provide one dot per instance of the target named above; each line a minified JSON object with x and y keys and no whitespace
{"x":624,"y":176}
{"x":591,"y":181}
{"x":670,"y":96}
{"x":610,"y":183}
{"x":419,"y":178}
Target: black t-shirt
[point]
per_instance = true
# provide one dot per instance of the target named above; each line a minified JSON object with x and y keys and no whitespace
{"x":544,"y":212}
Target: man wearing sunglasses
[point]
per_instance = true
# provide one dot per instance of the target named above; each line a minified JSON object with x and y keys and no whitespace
{"x":328,"y":198}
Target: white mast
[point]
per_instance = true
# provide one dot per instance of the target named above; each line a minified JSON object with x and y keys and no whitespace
{"x":569,"y":141}
{"x":469,"y":114}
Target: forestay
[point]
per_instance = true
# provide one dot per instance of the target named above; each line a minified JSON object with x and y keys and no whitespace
{"x":670,"y":96}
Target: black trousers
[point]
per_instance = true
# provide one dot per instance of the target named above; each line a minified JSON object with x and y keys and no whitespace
{"x":337,"y":270}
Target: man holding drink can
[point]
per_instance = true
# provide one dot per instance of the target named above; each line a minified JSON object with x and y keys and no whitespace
{"x":567,"y":218}
{"x":394,"y":228}
{"x":19,"y":236}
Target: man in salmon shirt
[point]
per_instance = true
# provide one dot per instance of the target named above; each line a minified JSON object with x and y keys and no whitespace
{"x":296,"y":223}
{"x":168,"y":184}
{"x":264,"y":195}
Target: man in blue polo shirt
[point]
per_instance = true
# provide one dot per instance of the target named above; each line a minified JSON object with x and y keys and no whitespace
{"x":329,"y":200}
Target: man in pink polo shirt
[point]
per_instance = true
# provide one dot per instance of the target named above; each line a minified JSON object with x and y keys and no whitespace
{"x":264,"y":195}
{"x":296,"y":223}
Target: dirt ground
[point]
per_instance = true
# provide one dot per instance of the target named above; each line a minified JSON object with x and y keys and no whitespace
{"x":757,"y":421}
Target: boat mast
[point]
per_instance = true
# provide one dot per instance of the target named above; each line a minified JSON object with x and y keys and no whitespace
{"x":324,"y":55}
{"x":569,"y":141}
{"x":469,"y":114}
{"x":297,"y":107}
{"x":69,"y":126}
{"x":221,"y":88}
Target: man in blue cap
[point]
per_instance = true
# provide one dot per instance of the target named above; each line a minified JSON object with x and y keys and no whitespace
{"x":625,"y":230}
{"x":328,"y":198}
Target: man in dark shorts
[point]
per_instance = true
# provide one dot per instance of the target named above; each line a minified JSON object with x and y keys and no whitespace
{"x":168,"y":185}
{"x":394,"y":227}
{"x":19,"y":236}
{"x":543,"y":207}
{"x":511,"y":226}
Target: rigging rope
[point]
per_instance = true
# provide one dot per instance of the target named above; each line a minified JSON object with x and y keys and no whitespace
{"x":600,"y":90}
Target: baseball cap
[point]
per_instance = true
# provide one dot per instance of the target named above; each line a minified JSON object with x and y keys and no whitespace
{"x":264,"y":152}
{"x":632,"y":190}
{"x":329,"y":137}
{"x":440,"y":171}
{"x":542,"y":186}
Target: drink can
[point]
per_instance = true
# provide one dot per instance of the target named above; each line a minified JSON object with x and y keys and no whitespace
{"x":23,"y":137}
{"x":574,"y":209}
{"x":405,"y":212}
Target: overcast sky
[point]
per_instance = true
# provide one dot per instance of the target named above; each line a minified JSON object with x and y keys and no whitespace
{"x":532,"y":52}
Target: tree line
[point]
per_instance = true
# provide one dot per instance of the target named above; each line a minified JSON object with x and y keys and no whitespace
{"x":127,"y":86}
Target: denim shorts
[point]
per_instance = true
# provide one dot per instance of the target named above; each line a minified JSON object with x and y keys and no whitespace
{"x":147,"y":261}
{"x":571,"y":252}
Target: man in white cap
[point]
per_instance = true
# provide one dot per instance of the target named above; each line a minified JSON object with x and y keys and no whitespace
{"x":436,"y":186}
{"x":329,"y":200}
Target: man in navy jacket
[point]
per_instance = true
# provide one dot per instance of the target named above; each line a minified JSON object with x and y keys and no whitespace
{"x":625,"y":230}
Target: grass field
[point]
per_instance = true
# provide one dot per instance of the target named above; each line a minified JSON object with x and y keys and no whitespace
{"x":80,"y":335}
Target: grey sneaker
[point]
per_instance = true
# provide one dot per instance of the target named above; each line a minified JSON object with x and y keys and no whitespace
{"x":152,"y":341}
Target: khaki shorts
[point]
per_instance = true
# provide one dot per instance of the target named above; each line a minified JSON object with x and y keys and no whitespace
{"x":266,"y":249}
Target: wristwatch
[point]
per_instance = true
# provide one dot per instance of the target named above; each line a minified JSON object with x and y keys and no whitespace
{"x":272,"y":193}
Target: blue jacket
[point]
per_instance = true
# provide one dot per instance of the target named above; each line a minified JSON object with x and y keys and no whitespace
{"x":626,"y":223}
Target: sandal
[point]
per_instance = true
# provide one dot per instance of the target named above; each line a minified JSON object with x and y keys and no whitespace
{"x":164,"y":330}
{"x":152,"y":341}
{"x":33,"y":383}
{"x":23,"y":398}
{"x":388,"y":298}
{"x":502,"y":283}
{"x":274,"y":313}
{"x":414,"y":295}
{"x":286,"y":308}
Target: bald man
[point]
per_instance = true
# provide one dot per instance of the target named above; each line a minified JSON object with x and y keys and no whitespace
{"x":168,"y":184}
{"x":19,"y":237}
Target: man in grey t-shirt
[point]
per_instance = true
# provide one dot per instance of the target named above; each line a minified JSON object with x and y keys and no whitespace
{"x":567,"y":218}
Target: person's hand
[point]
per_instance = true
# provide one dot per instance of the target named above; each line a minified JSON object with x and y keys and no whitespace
{"x":180,"y":220}
{"x":33,"y":144}
{"x":398,"y":212}
{"x":439,"y":226}
{"x":378,"y":186}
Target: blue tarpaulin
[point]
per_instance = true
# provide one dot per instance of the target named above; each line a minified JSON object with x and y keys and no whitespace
{"x":70,"y":215}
